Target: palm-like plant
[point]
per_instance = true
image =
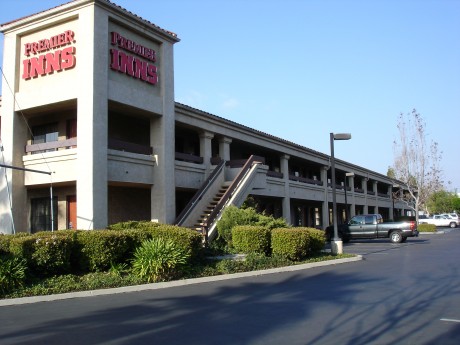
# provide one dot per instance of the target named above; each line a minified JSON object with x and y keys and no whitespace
{"x":158,"y":259}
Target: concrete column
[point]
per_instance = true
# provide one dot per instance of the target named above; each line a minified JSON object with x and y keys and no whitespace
{"x":206,"y":149}
{"x":92,"y":117}
{"x":14,"y":138}
{"x":163,"y":193}
{"x":364,"y":187}
{"x":284,"y":164}
{"x":374,"y":186}
{"x":325,"y":208}
{"x":351,"y":199}
{"x":224,"y":148}
{"x":392,"y":208}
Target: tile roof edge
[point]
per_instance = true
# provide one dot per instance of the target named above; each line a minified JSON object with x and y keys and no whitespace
{"x":7,"y":25}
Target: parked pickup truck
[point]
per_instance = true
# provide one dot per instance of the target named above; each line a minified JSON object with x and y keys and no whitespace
{"x":372,"y":226}
{"x":440,"y":220}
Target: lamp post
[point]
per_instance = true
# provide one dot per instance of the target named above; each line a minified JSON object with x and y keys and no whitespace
{"x":348,"y":174}
{"x":336,"y":243}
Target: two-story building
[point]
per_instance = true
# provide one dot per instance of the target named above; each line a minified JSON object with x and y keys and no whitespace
{"x":92,"y":135}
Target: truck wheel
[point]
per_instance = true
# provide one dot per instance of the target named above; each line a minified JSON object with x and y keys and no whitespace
{"x":396,"y":237}
{"x":453,"y":225}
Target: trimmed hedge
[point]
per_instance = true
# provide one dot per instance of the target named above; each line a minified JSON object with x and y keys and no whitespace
{"x":102,"y":248}
{"x":317,"y":240}
{"x":45,"y":253}
{"x":297,"y":243}
{"x":60,"y":252}
{"x":189,"y":240}
{"x":251,"y":239}
{"x":426,"y":227}
{"x":291,"y":244}
{"x":134,"y":224}
{"x":234,"y":216}
{"x":98,"y":249}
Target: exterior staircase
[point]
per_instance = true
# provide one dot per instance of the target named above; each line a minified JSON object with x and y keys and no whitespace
{"x":223,"y":187}
{"x":201,"y":223}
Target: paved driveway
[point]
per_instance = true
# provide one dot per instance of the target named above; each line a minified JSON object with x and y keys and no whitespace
{"x":399,"y":294}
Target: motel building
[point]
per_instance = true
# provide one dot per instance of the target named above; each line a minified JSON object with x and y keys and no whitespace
{"x":91,"y":135}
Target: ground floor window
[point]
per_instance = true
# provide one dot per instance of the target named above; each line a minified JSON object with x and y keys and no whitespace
{"x":40,"y":214}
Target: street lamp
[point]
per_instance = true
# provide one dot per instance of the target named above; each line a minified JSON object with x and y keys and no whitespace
{"x":336,"y":243}
{"x":348,"y":174}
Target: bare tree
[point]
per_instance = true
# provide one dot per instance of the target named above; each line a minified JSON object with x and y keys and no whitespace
{"x":416,"y":164}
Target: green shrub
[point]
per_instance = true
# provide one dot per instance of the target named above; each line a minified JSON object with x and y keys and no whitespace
{"x":4,"y":244}
{"x":317,"y":240}
{"x":271,"y":223}
{"x":22,"y":246}
{"x":234,"y":216}
{"x":187,"y":240}
{"x":255,"y":262}
{"x":292,"y":244}
{"x":159,"y":259}
{"x":99,"y":249}
{"x":134,"y":224}
{"x":139,"y":231}
{"x":52,"y":251}
{"x":426,"y":227}
{"x":12,"y":273}
{"x":229,"y":266}
{"x":251,"y":239}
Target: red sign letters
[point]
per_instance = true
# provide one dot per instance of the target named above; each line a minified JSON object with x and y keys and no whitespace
{"x":54,"y":60}
{"x":133,"y":65}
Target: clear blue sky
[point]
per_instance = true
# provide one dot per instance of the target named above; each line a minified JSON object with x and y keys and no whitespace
{"x":302,"y":69}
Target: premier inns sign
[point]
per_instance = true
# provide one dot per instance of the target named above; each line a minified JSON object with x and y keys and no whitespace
{"x":140,"y":65}
{"x":46,"y":57}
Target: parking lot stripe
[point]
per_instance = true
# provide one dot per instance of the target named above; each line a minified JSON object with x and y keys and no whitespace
{"x":450,"y":320}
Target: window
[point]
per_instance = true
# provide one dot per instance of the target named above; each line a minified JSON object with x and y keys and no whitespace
{"x":45,"y":134}
{"x":40,"y":214}
{"x":369,"y":219}
{"x":357,"y":220}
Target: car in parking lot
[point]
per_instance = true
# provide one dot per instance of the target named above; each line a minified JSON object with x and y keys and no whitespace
{"x":370,"y":226}
{"x":453,"y":216}
{"x":440,"y":220}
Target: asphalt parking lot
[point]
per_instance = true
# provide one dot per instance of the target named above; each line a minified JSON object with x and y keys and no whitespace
{"x":383,"y":246}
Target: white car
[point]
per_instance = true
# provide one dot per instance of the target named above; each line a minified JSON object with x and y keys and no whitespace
{"x":453,"y":216}
{"x":440,"y":220}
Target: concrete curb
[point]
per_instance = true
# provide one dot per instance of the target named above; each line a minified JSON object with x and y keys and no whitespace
{"x":156,"y":286}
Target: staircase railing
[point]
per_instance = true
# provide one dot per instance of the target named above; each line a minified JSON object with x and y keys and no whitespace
{"x":199,"y":194}
{"x":231,"y":189}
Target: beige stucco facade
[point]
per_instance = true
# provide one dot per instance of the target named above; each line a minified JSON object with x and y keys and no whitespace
{"x":92,"y":113}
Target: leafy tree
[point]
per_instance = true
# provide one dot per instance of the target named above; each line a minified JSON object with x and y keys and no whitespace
{"x":456,"y":204}
{"x":391,"y":173}
{"x":441,"y":202}
{"x":416,"y":164}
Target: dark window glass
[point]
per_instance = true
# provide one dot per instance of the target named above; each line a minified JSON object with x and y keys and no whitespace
{"x":40,"y":214}
{"x":45,"y":134}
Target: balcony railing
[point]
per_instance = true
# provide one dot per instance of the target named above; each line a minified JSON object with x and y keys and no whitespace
{"x":277,"y":174}
{"x":186,"y":157}
{"x":305,"y":180}
{"x":120,"y":145}
{"x":51,"y":146}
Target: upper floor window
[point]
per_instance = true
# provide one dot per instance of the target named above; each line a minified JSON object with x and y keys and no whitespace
{"x":45,"y":133}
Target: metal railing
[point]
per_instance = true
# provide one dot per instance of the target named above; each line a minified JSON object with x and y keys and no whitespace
{"x":231,"y":189}
{"x":199,"y":194}
{"x":51,"y":145}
